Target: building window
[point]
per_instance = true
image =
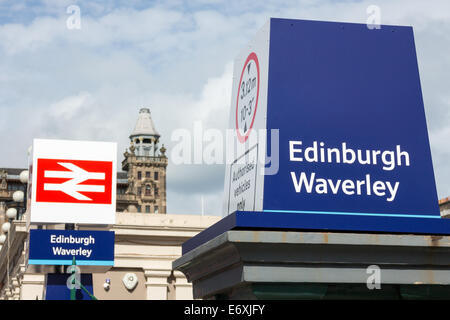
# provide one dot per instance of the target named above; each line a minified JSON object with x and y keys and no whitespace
{"x":139,"y":191}
{"x":139,"y":208}
{"x":147,"y":209}
{"x":15,"y":187}
{"x":156,"y":209}
{"x":147,"y":174}
{"x":147,"y":190}
{"x":156,"y":176}
{"x":139,"y":175}
{"x":156,"y":192}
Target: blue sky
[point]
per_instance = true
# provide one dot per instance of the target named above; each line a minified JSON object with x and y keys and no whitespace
{"x":174,"y":57}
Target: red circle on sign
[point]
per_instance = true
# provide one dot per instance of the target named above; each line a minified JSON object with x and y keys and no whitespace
{"x":251,"y":56}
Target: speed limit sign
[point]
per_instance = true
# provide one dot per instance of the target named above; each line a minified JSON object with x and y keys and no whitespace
{"x":247,"y":97}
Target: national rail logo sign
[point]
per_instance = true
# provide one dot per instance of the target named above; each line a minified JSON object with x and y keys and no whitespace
{"x":247,"y":97}
{"x":73,"y":182}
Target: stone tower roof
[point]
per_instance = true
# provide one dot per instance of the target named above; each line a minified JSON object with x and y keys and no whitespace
{"x":144,"y":125}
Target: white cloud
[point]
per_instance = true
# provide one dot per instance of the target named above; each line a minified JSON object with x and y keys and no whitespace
{"x":67,"y":108}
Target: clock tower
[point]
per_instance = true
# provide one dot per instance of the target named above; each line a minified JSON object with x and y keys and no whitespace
{"x":145,"y":164}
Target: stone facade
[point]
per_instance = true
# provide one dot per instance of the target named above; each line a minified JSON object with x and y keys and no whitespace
{"x":146,"y":183}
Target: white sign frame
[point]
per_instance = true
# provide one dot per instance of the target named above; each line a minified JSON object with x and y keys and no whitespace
{"x":81,"y":213}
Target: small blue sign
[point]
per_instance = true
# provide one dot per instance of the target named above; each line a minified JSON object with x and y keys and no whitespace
{"x":58,"y":247}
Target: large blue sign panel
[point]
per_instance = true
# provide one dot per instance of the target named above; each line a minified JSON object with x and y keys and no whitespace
{"x":353,"y":137}
{"x":58,"y":247}
{"x":347,"y":145}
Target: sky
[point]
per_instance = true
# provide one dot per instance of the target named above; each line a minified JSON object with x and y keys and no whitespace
{"x":176,"y":58}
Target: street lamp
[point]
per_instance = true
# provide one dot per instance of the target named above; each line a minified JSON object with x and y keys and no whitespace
{"x":24,"y":175}
{"x":5,"y":227}
{"x":18,"y":198}
{"x":11,"y":213}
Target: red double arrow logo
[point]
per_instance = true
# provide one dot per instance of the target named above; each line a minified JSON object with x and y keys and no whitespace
{"x":74,"y":181}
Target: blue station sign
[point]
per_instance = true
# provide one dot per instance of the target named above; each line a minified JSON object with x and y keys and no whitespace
{"x":353,"y":138}
{"x":58,"y":247}
{"x":346,"y":144}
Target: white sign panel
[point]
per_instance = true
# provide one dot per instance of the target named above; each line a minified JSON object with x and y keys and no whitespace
{"x":243,"y":176}
{"x":73,"y":182}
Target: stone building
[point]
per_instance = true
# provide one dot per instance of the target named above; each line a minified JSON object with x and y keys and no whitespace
{"x":147,"y":238}
{"x":143,"y":186}
{"x":444,"y":207}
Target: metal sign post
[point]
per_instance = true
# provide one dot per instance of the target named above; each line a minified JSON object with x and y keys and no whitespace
{"x":73,"y":288}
